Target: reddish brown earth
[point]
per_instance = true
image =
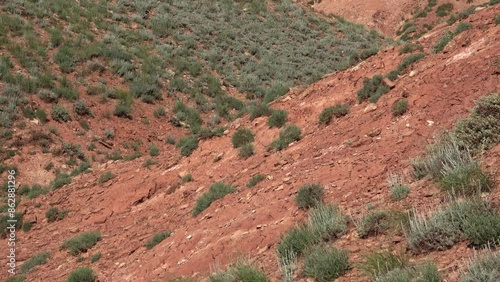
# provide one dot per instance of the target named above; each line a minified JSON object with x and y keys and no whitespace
{"x":351,"y":157}
{"x":387,"y":16}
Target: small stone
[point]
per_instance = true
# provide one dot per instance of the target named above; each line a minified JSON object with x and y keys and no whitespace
{"x":370,"y":108}
{"x":413,"y":73}
{"x":189,"y":236}
{"x":389,"y":83}
{"x":375,"y":132}
{"x":430,"y":123}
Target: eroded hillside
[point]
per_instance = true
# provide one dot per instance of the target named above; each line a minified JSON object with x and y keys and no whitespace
{"x":132,"y":191}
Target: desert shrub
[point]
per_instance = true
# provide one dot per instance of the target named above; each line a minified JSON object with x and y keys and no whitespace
{"x":297,"y":240}
{"x":277,"y":90}
{"x":309,"y":196}
{"x":325,"y":264}
{"x":217,"y":191}
{"x":81,"y":243}
{"x":278,"y":118}
{"x":60,"y":114}
{"x":372,"y":89}
{"x":241,"y":137}
{"x":159,"y":112}
{"x":410,"y":47}
{"x":246,"y":151}
{"x":157,"y":238}
{"x":449,"y":35}
{"x":255,"y":179}
{"x":145,"y":86}
{"x":95,"y":257}
{"x":190,"y":115}
{"x":444,"y":10}
{"x":105,"y":177}
{"x":81,"y":109}
{"x":497,"y":19}
{"x":259,"y":110}
{"x":377,"y":264}
{"x":376,"y":222}
{"x":338,"y":110}
{"x":17,"y":278}
{"x":481,"y":130}
{"x":465,"y":178}
{"x":82,"y":274}
{"x":54,"y":214}
{"x":153,"y":150}
{"x":474,"y":220}
{"x":187,"y":178}
{"x":122,"y":110}
{"x":149,"y":162}
{"x":399,"y":192}
{"x":399,"y":107}
{"x":288,"y":134}
{"x":38,"y":259}
{"x":4,"y":224}
{"x":243,"y":270}
{"x":328,"y":221}
{"x":187,"y":145}
{"x":60,"y":180}
{"x":427,"y":272}
{"x":41,"y":115}
{"x":483,"y":268}
{"x":65,"y":59}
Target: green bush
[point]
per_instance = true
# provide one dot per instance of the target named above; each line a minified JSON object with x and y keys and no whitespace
{"x":476,"y":221}
{"x":187,"y":145}
{"x":483,"y":268}
{"x":327,"y":221}
{"x":59,"y":113}
{"x":338,"y":110}
{"x":399,"y":192}
{"x":217,"y":191}
{"x":64,"y":58}
{"x":241,"y":271}
{"x":376,"y":222}
{"x":448,"y":36}
{"x":246,"y":151}
{"x":444,"y":10}
{"x":95,"y":257}
{"x":259,"y":110}
{"x":297,"y":240}
{"x":325,"y":264}
{"x":288,"y":134}
{"x":425,"y":272}
{"x":309,"y":196}
{"x":278,"y":118}
{"x":38,"y":259}
{"x":82,"y":274}
{"x":4,"y":224}
{"x":410,"y":47}
{"x":81,"y":243}
{"x":17,"y":278}
{"x":377,"y":264}
{"x":399,"y":107}
{"x":122,"y":110}
{"x":105,"y":177}
{"x":255,"y":179}
{"x":241,"y":137}
{"x":481,"y":130}
{"x":60,"y":180}
{"x":153,"y":150}
{"x":81,"y":109}
{"x":159,"y":112}
{"x":54,"y":214}
{"x":157,"y":238}
{"x":372,"y":89}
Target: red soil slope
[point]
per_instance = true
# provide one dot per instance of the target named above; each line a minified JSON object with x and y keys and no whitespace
{"x":351,"y":157}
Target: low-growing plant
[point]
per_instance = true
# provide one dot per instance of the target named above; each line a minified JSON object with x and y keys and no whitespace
{"x":59,"y":113}
{"x":243,"y":270}
{"x":328,"y":221}
{"x":187,"y":145}
{"x":255,"y":179}
{"x":157,"y":238}
{"x":399,"y":107}
{"x":374,"y":223}
{"x":217,"y":191}
{"x":288,"y":134}
{"x":482,"y":268}
{"x":278,"y":118}
{"x":60,"y":180}
{"x":259,"y":110}
{"x":246,"y":151}
{"x":449,"y":35}
{"x":95,"y":257}
{"x":241,"y":137}
{"x":54,"y":214}
{"x":105,"y":177}
{"x":309,"y":196}
{"x":81,"y":243}
{"x":338,"y":110}
{"x":425,"y":272}
{"x":17,"y":278}
{"x":159,"y":112}
{"x":325,"y":264}
{"x":153,"y":150}
{"x":444,"y":9}
{"x":377,"y":264}
{"x":372,"y":89}
{"x":187,"y":178}
{"x":33,"y":262}
{"x":397,"y":188}
{"x":297,"y":240}
{"x":82,"y":274}
{"x":81,"y":109}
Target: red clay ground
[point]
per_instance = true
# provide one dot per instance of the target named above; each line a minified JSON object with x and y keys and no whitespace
{"x":351,"y":157}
